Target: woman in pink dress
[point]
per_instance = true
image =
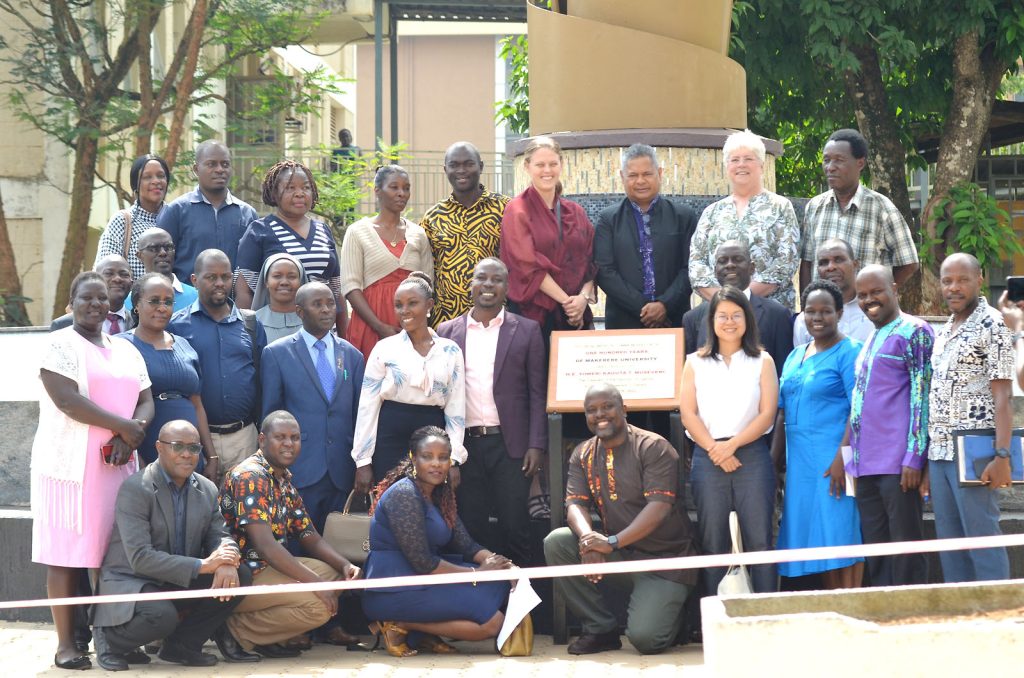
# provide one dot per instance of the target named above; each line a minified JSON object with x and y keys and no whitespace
{"x":92,"y":418}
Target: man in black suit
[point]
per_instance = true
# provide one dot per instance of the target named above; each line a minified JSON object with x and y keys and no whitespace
{"x":774,"y":321}
{"x":641,"y":248}
{"x":169,"y":535}
{"x":115,"y":271}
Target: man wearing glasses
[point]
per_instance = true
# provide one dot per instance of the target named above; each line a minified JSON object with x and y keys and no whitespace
{"x":641,"y":248}
{"x":169,"y":535}
{"x":156,"y":252}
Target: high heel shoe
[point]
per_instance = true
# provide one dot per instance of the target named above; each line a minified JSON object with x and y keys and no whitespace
{"x":434,"y":645}
{"x":396,"y":647}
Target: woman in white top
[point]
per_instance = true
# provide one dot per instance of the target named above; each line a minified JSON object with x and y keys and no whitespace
{"x":414,"y":378}
{"x":730,"y":396}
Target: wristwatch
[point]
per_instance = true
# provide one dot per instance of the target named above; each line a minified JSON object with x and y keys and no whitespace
{"x":613,"y":541}
{"x":1003,"y":452}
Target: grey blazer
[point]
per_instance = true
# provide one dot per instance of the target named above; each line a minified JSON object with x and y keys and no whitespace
{"x":140,"y":545}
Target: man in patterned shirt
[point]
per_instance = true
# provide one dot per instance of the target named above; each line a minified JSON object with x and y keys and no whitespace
{"x":263,"y":509}
{"x":463,"y":229}
{"x":972,"y":367}
{"x":889,"y":427}
{"x":867,"y":220}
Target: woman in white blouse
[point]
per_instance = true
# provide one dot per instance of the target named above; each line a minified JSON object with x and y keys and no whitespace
{"x":414,"y":378}
{"x":730,"y":396}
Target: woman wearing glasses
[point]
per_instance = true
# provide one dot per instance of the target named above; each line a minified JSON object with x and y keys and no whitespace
{"x":173,"y":367}
{"x":148,"y":177}
{"x":766,"y":222}
{"x":730,"y":396}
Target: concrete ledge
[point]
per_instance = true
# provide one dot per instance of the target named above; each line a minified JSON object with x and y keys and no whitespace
{"x":20,"y":578}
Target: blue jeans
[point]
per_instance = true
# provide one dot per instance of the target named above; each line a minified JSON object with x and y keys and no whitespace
{"x":966,"y":512}
{"x":750,"y":491}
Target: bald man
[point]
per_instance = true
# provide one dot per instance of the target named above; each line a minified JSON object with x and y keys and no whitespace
{"x":118,"y":275}
{"x":973,"y":366}
{"x":156,"y":252}
{"x":889,"y":426}
{"x":208,"y":217}
{"x":169,"y":535}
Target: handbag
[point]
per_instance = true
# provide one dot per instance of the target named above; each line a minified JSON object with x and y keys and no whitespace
{"x":736,"y":581}
{"x":520,"y":643}
{"x":349,"y":533}
{"x":127,"y":215}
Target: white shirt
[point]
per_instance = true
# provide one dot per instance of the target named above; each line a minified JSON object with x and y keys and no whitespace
{"x":853,"y":324}
{"x":122,"y":314}
{"x":481,"y":350}
{"x":728,"y":395}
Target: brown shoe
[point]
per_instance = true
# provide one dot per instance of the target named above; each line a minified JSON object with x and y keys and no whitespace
{"x":591,"y":643}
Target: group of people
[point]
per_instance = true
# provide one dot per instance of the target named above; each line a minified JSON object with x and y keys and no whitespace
{"x":209,"y":401}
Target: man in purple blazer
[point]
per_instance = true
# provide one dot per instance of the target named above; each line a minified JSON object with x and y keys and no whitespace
{"x":506,"y":427}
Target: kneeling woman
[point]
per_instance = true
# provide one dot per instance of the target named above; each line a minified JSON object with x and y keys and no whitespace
{"x":414,"y":522}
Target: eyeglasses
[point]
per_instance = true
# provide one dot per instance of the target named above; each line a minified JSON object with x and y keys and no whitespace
{"x":723,"y":318}
{"x":163,"y":247}
{"x":157,"y":303}
{"x":178,"y":447}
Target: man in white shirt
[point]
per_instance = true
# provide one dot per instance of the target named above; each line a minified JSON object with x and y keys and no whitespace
{"x":118,"y":276}
{"x":506,"y":425}
{"x":836,"y":262}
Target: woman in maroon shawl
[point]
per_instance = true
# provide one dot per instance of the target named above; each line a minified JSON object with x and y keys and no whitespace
{"x":547,"y":243}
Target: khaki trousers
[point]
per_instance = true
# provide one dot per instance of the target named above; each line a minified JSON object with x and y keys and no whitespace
{"x":263,"y":620}
{"x":233,"y":448}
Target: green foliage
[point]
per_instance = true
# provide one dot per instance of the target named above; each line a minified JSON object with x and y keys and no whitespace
{"x":515,"y":111}
{"x":12,"y":309}
{"x":979,"y":225}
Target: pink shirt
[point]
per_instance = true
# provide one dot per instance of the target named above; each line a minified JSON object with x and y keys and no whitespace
{"x":481,"y":348}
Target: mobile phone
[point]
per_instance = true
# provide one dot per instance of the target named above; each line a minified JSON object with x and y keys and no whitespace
{"x":1015,"y":288}
{"x":108,"y":453}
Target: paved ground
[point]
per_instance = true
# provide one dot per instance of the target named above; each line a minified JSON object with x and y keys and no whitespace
{"x":27,"y":650}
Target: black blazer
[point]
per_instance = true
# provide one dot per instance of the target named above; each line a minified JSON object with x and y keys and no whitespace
{"x":774,"y":323}
{"x":620,"y":271}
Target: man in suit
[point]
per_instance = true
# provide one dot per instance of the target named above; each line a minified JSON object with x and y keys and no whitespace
{"x":317,"y":377}
{"x":774,"y":323}
{"x":169,"y":535}
{"x":641,"y":248}
{"x":118,"y":276}
{"x":506,"y":426}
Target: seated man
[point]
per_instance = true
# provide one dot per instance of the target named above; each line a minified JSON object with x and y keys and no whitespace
{"x":168,"y":535}
{"x":263,"y":509}
{"x":632,"y":477}
{"x":156,"y":252}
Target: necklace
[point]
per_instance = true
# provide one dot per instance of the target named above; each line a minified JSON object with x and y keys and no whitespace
{"x":397,"y":235}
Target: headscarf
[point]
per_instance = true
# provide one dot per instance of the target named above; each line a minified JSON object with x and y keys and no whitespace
{"x":261,"y":296}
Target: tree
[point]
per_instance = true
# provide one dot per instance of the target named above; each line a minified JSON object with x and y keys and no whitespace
{"x":12,"y":303}
{"x":75,"y":56}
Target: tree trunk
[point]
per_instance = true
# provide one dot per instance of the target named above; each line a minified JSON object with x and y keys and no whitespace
{"x":86,"y":153}
{"x":183,"y":93}
{"x":14,"y":311}
{"x":148,"y":112}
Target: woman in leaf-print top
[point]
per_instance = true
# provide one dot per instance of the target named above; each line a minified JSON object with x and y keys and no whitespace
{"x":412,"y":379}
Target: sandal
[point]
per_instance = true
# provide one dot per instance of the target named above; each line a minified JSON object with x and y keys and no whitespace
{"x":396,"y":647}
{"x":79,"y":663}
{"x":539,"y":507}
{"x":434,"y":645}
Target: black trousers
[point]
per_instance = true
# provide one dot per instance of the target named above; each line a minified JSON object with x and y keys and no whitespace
{"x":159,"y":619}
{"x":396,"y":424}
{"x":888,"y":514}
{"x":493,"y":484}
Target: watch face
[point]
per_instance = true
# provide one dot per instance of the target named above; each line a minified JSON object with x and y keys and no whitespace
{"x":1002,"y":452}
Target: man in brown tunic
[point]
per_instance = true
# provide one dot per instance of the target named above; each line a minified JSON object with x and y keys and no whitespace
{"x":632,"y":477}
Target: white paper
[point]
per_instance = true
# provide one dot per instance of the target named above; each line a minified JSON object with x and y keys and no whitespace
{"x":851,"y":482}
{"x":521,"y":600}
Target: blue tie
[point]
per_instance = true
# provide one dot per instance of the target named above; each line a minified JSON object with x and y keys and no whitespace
{"x":324,"y":370}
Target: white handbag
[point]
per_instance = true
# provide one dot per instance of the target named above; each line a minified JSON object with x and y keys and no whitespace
{"x":736,"y":581}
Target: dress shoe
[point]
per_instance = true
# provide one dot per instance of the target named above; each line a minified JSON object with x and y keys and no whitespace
{"x":276,"y":651}
{"x":338,"y":636}
{"x":177,"y":654}
{"x":589,"y":643}
{"x":137,"y":656}
{"x":79,"y":663}
{"x":230,"y":648}
{"x":105,"y":657}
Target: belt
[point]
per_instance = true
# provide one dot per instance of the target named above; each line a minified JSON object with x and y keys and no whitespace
{"x":481,"y":431}
{"x":170,"y":395}
{"x":223,"y":429}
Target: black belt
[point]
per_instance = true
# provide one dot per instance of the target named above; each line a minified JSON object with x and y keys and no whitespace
{"x":224,"y":429}
{"x":170,"y":395}
{"x":481,"y":431}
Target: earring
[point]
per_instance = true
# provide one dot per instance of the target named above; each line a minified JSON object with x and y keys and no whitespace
{"x":413,"y":471}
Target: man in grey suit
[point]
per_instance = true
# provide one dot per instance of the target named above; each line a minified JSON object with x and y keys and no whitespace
{"x":169,"y":535}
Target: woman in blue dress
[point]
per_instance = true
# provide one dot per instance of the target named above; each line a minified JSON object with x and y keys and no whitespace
{"x":814,"y":407}
{"x":414,"y":528}
{"x":173,"y":367}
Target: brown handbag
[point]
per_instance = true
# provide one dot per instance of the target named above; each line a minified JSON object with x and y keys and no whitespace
{"x":349,"y":533}
{"x":520,"y":643}
{"x":127,"y":214}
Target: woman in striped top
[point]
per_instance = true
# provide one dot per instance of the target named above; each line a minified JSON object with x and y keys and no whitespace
{"x":290,"y":189}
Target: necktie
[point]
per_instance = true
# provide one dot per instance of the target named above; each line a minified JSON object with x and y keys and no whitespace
{"x":115,"y":323}
{"x":324,"y":369}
